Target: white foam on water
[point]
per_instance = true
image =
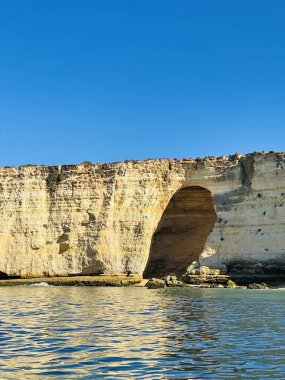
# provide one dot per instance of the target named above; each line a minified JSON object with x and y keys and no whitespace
{"x":40,"y":284}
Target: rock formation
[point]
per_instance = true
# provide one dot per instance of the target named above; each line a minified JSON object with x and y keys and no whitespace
{"x":154,"y":216}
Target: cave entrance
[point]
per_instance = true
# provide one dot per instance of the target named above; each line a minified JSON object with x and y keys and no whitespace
{"x":182,"y":232}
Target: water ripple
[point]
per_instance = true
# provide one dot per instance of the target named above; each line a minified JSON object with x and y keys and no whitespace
{"x":134,"y":333}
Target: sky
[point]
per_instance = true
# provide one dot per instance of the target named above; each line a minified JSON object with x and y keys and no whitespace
{"x":111,"y":80}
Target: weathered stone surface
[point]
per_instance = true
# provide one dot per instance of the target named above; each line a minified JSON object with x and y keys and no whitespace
{"x":255,"y":285}
{"x":171,"y":281}
{"x":76,"y":281}
{"x":155,"y":283}
{"x":201,"y":280}
{"x":91,"y":219}
{"x":194,"y":268}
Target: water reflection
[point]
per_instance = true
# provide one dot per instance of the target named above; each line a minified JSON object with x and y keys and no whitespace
{"x":87,"y":333}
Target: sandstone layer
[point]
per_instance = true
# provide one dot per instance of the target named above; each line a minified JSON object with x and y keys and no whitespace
{"x":148,"y":216}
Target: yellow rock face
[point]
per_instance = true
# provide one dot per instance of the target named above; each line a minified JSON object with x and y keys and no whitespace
{"x":153,"y":215}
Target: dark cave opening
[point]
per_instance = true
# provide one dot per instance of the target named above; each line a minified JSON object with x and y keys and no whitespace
{"x":182,"y":232}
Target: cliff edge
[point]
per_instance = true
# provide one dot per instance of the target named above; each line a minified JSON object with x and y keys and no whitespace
{"x":153,"y":216}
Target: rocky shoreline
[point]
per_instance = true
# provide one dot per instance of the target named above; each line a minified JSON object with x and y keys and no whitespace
{"x":220,"y":281}
{"x":76,"y":281}
{"x":197,"y":281}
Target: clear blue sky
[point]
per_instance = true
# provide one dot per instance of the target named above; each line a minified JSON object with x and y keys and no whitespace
{"x":112,"y":80}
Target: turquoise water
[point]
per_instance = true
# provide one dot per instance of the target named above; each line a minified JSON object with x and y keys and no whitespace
{"x":135,"y":333}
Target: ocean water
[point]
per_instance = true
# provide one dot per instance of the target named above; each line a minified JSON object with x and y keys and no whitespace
{"x":135,"y":333}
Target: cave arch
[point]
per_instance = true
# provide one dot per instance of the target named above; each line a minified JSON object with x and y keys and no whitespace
{"x":182,"y":232}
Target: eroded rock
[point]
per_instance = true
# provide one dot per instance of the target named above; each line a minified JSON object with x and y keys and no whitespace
{"x":197,"y":269}
{"x":256,"y":285}
{"x":171,"y":281}
{"x":155,"y":283}
{"x":105,"y":218}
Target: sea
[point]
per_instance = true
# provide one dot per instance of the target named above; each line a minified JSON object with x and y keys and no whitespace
{"x":63,"y":332}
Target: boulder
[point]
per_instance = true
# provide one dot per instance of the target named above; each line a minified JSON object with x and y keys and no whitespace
{"x":204,"y":279}
{"x":155,"y":283}
{"x":256,"y":285}
{"x":193,"y":268}
{"x":171,"y":281}
{"x":206,"y":271}
{"x":174,"y":283}
{"x":196,"y":269}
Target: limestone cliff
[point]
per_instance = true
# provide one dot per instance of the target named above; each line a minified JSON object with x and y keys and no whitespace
{"x":144,"y":215}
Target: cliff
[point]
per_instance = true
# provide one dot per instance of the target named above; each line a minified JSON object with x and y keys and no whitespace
{"x":152,"y":216}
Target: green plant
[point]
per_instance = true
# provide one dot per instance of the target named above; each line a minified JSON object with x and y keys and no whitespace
{"x":86,"y":163}
{"x":231,"y":284}
{"x":54,"y":178}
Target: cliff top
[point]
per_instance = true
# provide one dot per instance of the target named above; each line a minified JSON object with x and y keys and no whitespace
{"x":209,"y":159}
